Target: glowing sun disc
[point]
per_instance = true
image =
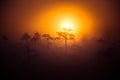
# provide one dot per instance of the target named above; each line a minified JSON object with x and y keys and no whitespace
{"x":67,"y":25}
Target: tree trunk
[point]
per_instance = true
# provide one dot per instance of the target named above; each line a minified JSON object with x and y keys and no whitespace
{"x":65,"y":45}
{"x":47,"y":43}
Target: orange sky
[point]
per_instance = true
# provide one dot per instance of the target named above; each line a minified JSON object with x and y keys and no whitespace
{"x":51,"y":20}
{"x":88,"y":17}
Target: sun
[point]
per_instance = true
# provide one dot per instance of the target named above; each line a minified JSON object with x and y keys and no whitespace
{"x":67,"y":24}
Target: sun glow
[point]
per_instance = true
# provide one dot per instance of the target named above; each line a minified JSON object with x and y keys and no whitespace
{"x":74,"y":18}
{"x":67,"y":25}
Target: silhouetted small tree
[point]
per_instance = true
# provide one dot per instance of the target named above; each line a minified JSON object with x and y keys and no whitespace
{"x":36,"y":38}
{"x":26,"y":38}
{"x":67,"y":36}
{"x":57,"y":38}
{"x":101,"y":43}
{"x":48,"y":37}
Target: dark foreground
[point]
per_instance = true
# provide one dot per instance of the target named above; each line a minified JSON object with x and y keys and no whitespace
{"x":17,"y":64}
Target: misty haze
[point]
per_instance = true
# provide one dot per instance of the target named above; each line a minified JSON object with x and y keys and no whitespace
{"x":59,"y":39}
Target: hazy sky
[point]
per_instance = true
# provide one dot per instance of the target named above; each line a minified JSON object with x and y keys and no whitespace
{"x":15,"y":13}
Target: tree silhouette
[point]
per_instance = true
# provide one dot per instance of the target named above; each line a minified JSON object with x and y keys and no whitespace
{"x":36,"y":38}
{"x":57,"y":38}
{"x":67,"y":36}
{"x":48,"y":37}
{"x":101,"y":43}
{"x":26,"y":37}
